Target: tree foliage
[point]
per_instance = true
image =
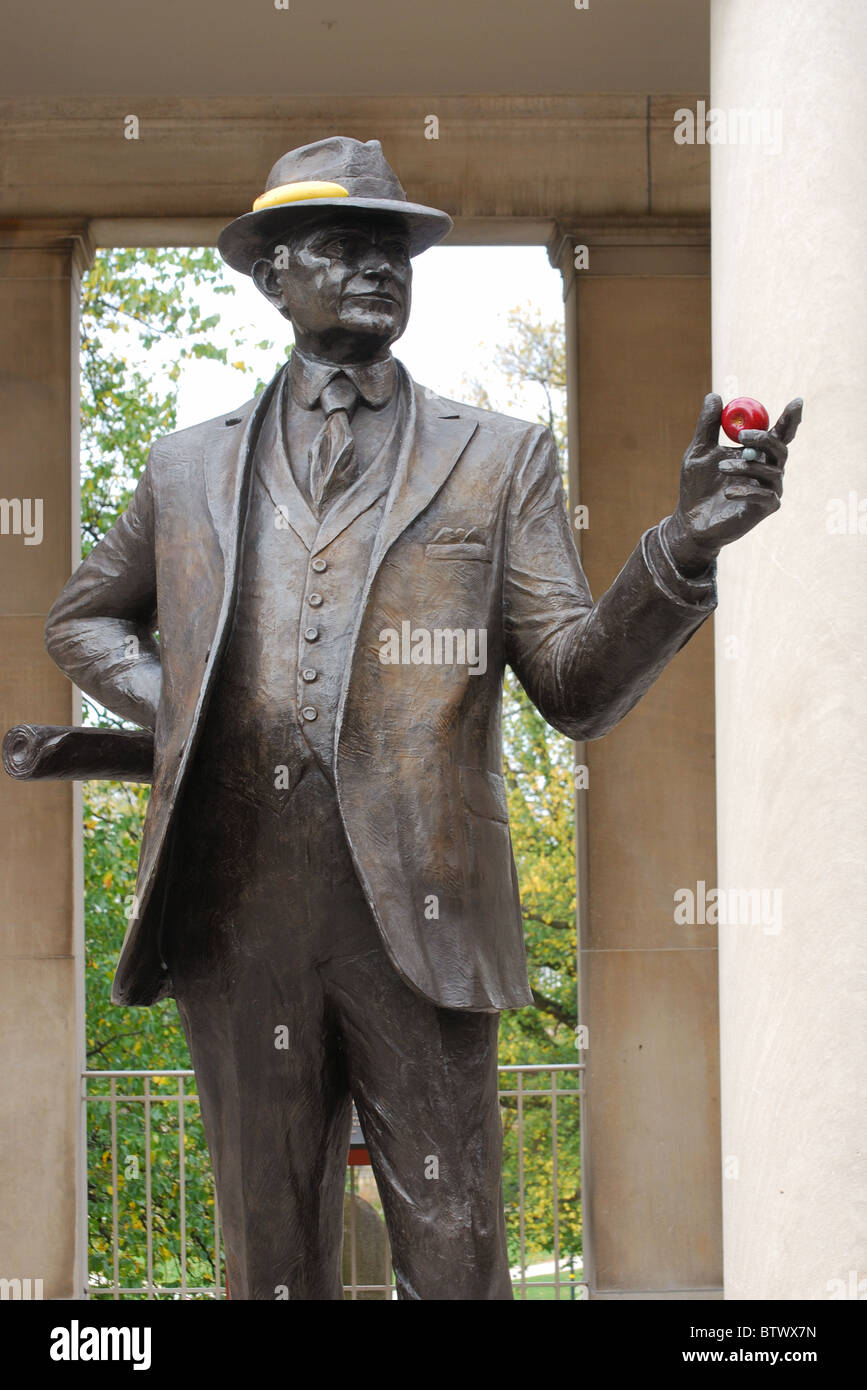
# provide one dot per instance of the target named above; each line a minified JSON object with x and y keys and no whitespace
{"x":530,"y":363}
{"x":530,"y":368}
{"x":137,"y":306}
{"x":140,"y":323}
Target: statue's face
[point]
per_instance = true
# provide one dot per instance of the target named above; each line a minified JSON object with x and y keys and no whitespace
{"x":346,"y":283}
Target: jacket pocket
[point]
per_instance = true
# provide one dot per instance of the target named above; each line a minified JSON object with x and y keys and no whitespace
{"x":457,"y":550}
{"x":484,"y":793}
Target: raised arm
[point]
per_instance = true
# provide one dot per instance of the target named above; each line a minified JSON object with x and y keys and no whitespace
{"x":585,"y":664}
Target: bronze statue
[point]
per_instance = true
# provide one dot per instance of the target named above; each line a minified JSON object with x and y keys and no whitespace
{"x":339,"y":572}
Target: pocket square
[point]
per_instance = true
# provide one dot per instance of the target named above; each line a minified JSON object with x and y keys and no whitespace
{"x":459,"y":535}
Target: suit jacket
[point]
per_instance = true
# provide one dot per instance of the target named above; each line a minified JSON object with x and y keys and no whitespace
{"x":474,"y":536}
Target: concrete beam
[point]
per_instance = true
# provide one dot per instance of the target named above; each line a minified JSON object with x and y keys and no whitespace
{"x":536,"y":157}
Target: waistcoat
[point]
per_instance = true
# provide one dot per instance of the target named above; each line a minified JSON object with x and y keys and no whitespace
{"x":274,"y":704}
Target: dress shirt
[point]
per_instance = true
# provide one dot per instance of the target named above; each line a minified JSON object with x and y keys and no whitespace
{"x":371,"y":420}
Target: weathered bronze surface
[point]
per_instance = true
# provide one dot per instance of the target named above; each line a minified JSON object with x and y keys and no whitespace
{"x":339,"y":572}
{"x":43,"y":752}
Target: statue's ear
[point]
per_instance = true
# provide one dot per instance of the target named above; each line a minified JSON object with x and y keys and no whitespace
{"x":265,"y":279}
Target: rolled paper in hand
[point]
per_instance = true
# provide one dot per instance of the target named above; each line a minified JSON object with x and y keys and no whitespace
{"x":37,"y":752}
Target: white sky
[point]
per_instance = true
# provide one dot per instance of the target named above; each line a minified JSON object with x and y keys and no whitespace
{"x":461,"y":297}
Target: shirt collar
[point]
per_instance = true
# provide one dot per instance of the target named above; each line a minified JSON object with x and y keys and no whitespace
{"x":308,"y":376}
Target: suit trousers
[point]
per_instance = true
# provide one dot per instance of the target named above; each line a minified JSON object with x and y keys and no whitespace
{"x":291,"y":1008}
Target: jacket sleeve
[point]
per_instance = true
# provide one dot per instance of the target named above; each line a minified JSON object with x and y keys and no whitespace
{"x":100,"y":631}
{"x":585,"y":665}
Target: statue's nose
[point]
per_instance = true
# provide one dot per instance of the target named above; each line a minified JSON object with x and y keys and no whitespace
{"x":378,"y":264}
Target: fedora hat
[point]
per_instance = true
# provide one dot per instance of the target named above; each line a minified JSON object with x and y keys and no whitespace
{"x":338,"y":173}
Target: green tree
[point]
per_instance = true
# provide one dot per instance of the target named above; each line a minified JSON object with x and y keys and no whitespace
{"x":530,"y":364}
{"x":136,"y":305}
{"x":138,"y":302}
{"x":539,"y":767}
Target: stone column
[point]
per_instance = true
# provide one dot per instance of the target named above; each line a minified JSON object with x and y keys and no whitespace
{"x":41,"y":980}
{"x":638,"y":353}
{"x":789,"y":319}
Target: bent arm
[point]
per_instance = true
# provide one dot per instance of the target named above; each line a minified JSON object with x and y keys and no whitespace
{"x":585,"y":665}
{"x":100,"y":630}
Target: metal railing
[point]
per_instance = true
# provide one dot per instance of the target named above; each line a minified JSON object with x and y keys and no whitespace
{"x":153,"y":1219}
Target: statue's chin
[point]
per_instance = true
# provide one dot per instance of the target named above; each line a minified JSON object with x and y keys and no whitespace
{"x":371,"y":323}
{"x":361,"y":333}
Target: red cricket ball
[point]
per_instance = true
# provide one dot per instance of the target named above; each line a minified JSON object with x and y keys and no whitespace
{"x":743,"y":413}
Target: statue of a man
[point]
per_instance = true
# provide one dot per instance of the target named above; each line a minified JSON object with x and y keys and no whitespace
{"x":325,"y":587}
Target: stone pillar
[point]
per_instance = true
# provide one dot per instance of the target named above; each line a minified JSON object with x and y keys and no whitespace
{"x":788,"y":314}
{"x":638,"y":356}
{"x":41,"y":980}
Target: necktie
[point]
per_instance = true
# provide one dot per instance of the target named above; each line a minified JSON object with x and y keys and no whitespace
{"x":331,"y":453}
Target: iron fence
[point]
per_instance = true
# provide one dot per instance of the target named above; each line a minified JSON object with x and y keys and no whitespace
{"x":153,"y":1216}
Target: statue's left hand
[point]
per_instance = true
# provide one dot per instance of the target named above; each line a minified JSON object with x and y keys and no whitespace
{"x":725,"y":492}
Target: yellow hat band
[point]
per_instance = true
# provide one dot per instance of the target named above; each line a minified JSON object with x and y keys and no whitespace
{"x":298,"y":192}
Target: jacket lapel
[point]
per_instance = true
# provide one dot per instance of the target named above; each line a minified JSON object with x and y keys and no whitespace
{"x":275,"y":472}
{"x":435,"y":436}
{"x":227,"y":467}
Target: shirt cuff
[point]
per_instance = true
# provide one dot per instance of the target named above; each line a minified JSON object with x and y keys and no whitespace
{"x":698,"y":593}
